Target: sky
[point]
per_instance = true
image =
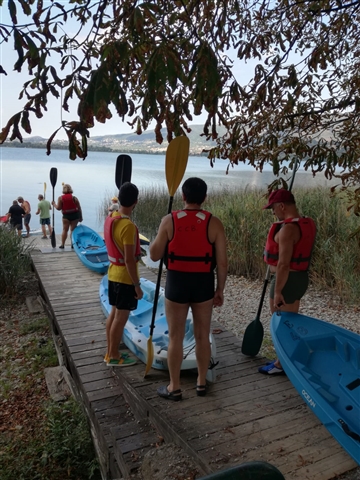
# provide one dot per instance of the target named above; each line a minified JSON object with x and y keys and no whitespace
{"x":11,"y":85}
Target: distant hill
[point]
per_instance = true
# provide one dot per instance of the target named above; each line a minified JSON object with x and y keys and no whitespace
{"x":127,"y":142}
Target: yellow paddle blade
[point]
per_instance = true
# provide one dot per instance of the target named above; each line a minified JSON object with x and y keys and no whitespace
{"x":177,"y":155}
{"x":150,"y":356}
{"x":143,"y":238}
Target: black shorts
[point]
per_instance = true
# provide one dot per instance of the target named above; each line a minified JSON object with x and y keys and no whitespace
{"x":71,"y":216}
{"x":18,"y":226}
{"x":27,"y":219}
{"x":45,"y":221}
{"x":122,"y":296}
{"x":294,"y":288}
{"x":184,"y":287}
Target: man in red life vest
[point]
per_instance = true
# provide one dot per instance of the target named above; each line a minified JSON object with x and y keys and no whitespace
{"x":123,"y":247}
{"x":194,"y":243}
{"x":288,"y":251}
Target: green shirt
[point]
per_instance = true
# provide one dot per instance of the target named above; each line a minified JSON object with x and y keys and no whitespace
{"x":44,"y":206}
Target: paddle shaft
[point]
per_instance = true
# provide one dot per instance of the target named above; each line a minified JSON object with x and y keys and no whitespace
{"x":53,"y":180}
{"x":157,"y":288}
{"x":176,"y":159}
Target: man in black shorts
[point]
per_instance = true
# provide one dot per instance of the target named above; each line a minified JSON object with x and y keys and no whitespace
{"x":288,"y":251}
{"x":193,"y":242}
{"x":16,"y":213}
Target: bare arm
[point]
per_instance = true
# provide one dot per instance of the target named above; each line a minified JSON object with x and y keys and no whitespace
{"x":217,"y":235}
{"x":165,"y":232}
{"x":130,"y":263}
{"x":287,"y":237}
{"x":57,"y":205}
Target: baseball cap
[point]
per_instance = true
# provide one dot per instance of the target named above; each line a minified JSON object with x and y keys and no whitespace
{"x":280,"y":196}
{"x":114,"y":199}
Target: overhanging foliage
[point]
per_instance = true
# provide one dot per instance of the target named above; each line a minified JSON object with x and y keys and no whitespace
{"x":168,"y":61}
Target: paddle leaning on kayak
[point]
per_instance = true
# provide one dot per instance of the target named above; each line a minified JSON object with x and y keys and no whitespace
{"x":288,"y":250}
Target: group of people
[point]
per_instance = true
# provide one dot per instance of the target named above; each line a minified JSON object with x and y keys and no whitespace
{"x":20,"y":212}
{"x":193,"y":244}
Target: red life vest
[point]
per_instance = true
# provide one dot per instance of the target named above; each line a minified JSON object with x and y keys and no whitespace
{"x":68,"y":204}
{"x":115,"y":254}
{"x":302,"y":249}
{"x":190,"y":249}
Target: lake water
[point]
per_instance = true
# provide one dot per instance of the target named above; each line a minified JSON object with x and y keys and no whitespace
{"x":23,"y":172}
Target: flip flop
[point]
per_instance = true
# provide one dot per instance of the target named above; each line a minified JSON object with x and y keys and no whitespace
{"x":175,"y":395}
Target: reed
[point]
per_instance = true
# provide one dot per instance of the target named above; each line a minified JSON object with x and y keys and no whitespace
{"x":15,"y":261}
{"x":336,"y":257}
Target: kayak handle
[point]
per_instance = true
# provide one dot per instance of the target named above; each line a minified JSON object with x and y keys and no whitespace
{"x":347,"y":430}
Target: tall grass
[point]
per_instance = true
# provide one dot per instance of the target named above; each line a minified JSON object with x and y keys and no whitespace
{"x":14,"y":260}
{"x":336,"y":257}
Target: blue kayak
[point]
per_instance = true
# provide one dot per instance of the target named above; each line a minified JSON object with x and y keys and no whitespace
{"x":322,"y":361}
{"x":90,"y":248}
{"x":137,"y":330}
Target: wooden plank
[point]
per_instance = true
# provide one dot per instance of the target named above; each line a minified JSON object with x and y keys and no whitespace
{"x":245,"y":416}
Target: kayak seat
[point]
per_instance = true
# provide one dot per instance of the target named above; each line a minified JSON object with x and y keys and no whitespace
{"x":137,"y":316}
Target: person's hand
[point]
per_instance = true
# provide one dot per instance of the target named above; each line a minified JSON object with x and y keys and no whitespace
{"x":218,"y":298}
{"x":279,"y":301}
{"x":138,"y":293}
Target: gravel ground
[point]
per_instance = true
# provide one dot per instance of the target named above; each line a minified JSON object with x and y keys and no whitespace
{"x":242,"y":299}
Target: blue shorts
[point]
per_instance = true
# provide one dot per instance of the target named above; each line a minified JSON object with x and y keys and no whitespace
{"x":27,"y":219}
{"x":122,"y":296}
{"x":185,"y":287}
{"x":44,"y":221}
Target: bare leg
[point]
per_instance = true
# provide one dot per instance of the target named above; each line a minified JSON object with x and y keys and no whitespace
{"x":73,"y":225}
{"x":109,"y":322}
{"x":66,"y":225}
{"x":50,"y":230}
{"x":43,"y":230}
{"x":202,"y":319}
{"x":176,"y":314}
{"x":115,"y":324}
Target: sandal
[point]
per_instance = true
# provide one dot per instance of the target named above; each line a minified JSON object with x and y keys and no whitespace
{"x":175,"y":395}
{"x":201,"y":390}
{"x":61,"y":246}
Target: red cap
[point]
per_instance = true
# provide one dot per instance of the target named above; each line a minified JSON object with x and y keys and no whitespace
{"x":280,"y":196}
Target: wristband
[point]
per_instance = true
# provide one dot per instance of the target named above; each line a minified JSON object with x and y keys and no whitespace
{"x":137,"y":284}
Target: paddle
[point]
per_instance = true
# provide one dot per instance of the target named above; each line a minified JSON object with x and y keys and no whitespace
{"x":254,"y":332}
{"x":123,"y":170}
{"x":53,"y":179}
{"x":177,"y":155}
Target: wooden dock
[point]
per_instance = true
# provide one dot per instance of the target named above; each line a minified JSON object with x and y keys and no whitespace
{"x":244,"y":417}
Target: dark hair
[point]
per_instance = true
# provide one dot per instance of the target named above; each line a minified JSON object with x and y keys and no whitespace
{"x":194,"y":190}
{"x":128,"y":194}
